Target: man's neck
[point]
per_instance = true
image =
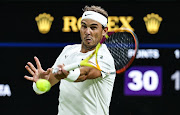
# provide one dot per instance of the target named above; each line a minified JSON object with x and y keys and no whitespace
{"x":85,"y":49}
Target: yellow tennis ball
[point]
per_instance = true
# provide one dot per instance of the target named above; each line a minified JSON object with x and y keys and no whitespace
{"x":43,"y":85}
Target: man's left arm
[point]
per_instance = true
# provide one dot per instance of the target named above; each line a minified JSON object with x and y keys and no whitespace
{"x":88,"y":73}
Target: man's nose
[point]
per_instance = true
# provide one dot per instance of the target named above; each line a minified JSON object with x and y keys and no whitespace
{"x":88,"y":31}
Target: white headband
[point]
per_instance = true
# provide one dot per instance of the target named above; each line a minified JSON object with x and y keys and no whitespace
{"x":95,"y":16}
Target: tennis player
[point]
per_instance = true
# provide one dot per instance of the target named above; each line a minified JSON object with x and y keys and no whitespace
{"x":84,"y":90}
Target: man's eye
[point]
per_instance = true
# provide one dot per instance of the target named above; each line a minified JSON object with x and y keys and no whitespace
{"x":93,"y":28}
{"x":83,"y":26}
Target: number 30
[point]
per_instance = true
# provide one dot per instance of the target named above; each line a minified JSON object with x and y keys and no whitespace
{"x":148,"y":80}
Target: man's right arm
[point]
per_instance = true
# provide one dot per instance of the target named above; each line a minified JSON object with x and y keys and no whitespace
{"x":56,"y":77}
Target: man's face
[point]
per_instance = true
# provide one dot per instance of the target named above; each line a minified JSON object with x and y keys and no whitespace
{"x":91,"y":33}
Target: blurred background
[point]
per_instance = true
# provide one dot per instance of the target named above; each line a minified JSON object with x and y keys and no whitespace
{"x":43,"y":27}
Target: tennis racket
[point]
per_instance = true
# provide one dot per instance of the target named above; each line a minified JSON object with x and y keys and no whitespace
{"x":123,"y":46}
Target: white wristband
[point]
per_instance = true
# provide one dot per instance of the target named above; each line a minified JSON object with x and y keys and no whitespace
{"x":37,"y":90}
{"x":73,"y":75}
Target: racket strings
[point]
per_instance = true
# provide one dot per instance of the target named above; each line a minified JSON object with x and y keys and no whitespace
{"x":118,"y":45}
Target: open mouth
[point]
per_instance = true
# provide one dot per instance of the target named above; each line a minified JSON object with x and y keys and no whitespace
{"x":88,"y":40}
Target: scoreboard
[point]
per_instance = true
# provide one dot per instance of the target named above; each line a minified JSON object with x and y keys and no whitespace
{"x":151,"y":86}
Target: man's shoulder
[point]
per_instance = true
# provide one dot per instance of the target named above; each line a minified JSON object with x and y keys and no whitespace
{"x":104,"y":50}
{"x":74,"y":46}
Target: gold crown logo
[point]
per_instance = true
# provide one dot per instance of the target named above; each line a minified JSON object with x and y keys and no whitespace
{"x":152,"y":22}
{"x":44,"y":22}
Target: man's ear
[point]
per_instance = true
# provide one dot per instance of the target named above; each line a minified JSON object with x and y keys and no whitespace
{"x":105,"y":30}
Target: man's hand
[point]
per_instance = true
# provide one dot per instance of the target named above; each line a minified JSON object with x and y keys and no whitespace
{"x":61,"y":74}
{"x":38,"y":73}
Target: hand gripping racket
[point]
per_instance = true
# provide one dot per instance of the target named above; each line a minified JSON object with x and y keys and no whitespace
{"x":123,"y":46}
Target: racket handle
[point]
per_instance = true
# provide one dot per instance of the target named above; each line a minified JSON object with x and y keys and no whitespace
{"x":67,"y":67}
{"x":55,"y":70}
{"x":71,"y":66}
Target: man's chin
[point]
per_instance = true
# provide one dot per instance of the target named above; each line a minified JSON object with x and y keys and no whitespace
{"x":89,"y":46}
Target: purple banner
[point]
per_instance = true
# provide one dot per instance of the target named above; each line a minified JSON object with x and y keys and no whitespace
{"x":143,"y":81}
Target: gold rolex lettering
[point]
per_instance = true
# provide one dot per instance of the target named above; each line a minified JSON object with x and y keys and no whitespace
{"x":70,"y":23}
{"x":114,"y":20}
{"x":126,"y":21}
{"x":112,"y":23}
{"x":79,"y":23}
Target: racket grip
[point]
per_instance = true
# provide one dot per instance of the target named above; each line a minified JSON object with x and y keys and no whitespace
{"x":55,"y":70}
{"x":67,"y":67}
{"x":71,"y":66}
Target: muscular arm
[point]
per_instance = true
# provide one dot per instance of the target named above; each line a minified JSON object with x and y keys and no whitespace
{"x":85,"y":73}
{"x":88,"y":73}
